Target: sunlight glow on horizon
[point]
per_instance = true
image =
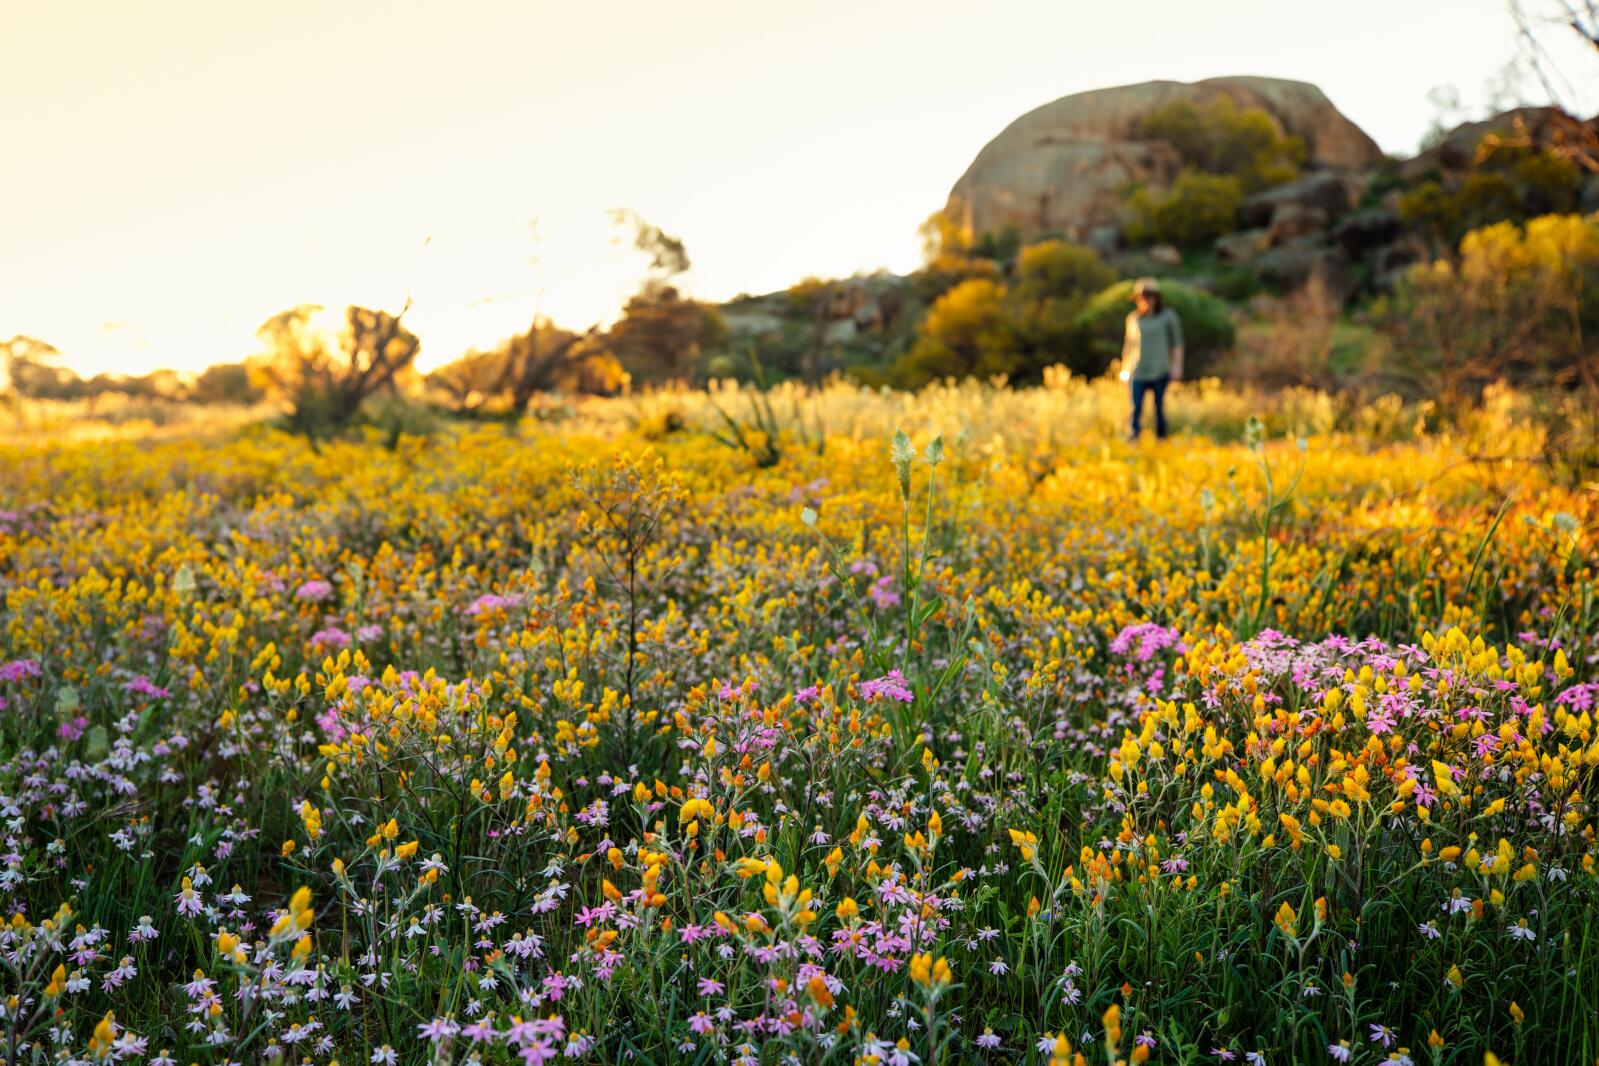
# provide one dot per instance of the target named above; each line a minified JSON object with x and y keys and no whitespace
{"x":180,"y":171}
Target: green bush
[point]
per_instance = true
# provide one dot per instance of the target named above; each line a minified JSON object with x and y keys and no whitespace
{"x":1508,"y":185}
{"x":1101,"y":325}
{"x":1236,"y":284}
{"x":1487,"y":197}
{"x":1196,"y":210}
{"x":969,"y":332}
{"x":1001,"y":246}
{"x":1429,"y":206}
{"x":1552,"y":184}
{"x":1517,"y":303}
{"x":1219,"y":137}
{"x":983,"y":327}
{"x":392,"y":415}
{"x":1056,"y":268}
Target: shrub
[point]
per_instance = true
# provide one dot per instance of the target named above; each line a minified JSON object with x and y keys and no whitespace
{"x":1508,"y":184}
{"x":945,"y":271}
{"x":968,"y":332}
{"x":982,"y":327}
{"x":1301,"y":339}
{"x":1517,"y":301}
{"x":1552,"y":183}
{"x":1196,"y":210}
{"x":662,"y":335}
{"x":1055,"y":268}
{"x":1429,"y":207}
{"x":326,"y":370}
{"x":1486,"y":197}
{"x":1000,"y":246}
{"x":1219,"y":137}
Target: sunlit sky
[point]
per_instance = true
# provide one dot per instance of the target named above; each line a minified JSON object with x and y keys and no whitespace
{"x":177,"y":172}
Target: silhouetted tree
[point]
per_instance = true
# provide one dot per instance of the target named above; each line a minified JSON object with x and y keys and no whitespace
{"x":31,"y":368}
{"x":662,"y":334}
{"x":326,"y":375}
{"x":543,"y":358}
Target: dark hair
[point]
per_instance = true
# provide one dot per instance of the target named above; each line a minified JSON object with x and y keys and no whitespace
{"x":1156,"y":302}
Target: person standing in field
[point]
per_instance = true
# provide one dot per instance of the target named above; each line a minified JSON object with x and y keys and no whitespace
{"x":1152,"y":352}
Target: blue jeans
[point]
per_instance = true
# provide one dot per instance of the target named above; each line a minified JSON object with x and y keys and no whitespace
{"x":1158,"y":388}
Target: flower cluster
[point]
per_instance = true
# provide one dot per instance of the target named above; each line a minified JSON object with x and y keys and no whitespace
{"x":591,"y":743}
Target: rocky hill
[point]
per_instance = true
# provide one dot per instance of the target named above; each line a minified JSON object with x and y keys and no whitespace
{"x":1322,"y":203}
{"x":1064,"y":168}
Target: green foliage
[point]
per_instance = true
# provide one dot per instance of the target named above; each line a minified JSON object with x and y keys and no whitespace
{"x":984,"y":327}
{"x":1236,"y":283}
{"x":1550,"y":183}
{"x":1488,"y":196}
{"x":662,"y":335}
{"x":1518,"y":302}
{"x":1384,"y":180}
{"x":1219,"y":137}
{"x":1507,"y":184}
{"x":1207,"y":327}
{"x":969,"y":332}
{"x":1430,"y":207}
{"x":1197,"y":209}
{"x":1056,"y":268}
{"x":392,"y":416}
{"x":806,"y":294}
{"x":1001,"y":246}
{"x":946,"y":271}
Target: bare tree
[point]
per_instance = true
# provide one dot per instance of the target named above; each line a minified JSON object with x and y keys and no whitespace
{"x":327,"y":375}
{"x":537,"y":360}
{"x":1536,"y":18}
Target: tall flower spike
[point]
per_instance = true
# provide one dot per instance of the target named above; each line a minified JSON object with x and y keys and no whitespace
{"x":903,"y":454}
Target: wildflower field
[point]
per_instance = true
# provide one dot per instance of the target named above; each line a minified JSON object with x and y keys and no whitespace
{"x":656,"y":731}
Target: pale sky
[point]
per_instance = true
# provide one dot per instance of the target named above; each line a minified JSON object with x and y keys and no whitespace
{"x":177,"y":172}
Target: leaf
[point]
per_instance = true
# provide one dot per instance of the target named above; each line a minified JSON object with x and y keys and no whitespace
{"x":97,"y":743}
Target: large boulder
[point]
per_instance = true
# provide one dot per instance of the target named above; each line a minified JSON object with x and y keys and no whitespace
{"x":1295,"y":264}
{"x":1242,"y":246}
{"x":1291,"y":220}
{"x":1327,"y":191}
{"x":1536,"y":127}
{"x":1166,"y":256}
{"x":752,"y":323}
{"x":1361,"y":231}
{"x":1064,"y":168}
